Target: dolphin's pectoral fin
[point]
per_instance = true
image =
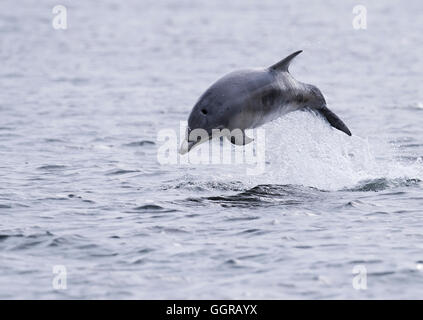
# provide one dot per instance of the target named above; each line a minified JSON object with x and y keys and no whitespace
{"x":239,"y":138}
{"x":333,"y":119}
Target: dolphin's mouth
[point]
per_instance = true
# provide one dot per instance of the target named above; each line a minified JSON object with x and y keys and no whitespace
{"x":189,"y":142}
{"x":186,"y":146}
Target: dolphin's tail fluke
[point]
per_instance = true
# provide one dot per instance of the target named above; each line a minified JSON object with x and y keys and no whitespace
{"x":333,"y":119}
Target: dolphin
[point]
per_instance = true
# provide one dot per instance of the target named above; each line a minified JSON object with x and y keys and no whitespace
{"x":249,"y":98}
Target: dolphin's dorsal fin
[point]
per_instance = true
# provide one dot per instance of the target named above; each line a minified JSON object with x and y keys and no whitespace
{"x":284,"y":64}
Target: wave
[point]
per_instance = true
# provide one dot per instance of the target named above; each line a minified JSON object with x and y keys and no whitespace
{"x":265,"y":196}
{"x":383,"y":183}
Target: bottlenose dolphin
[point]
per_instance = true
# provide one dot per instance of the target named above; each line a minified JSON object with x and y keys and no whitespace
{"x":249,"y":98}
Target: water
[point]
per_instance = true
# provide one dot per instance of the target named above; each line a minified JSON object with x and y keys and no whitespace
{"x":81,"y":187}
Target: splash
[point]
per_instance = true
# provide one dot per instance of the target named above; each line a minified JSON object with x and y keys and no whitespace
{"x":302,"y":149}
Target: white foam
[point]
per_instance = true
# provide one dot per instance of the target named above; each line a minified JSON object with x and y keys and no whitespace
{"x":303,"y":149}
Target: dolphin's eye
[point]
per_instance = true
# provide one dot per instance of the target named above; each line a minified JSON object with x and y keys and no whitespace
{"x":204,"y":111}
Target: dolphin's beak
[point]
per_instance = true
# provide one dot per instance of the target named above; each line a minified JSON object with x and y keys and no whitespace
{"x":186,"y":146}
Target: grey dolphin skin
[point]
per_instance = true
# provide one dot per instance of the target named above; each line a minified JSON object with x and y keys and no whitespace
{"x":249,"y":98}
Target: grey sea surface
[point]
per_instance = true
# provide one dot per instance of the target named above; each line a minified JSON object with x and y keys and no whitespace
{"x":81,"y":187}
